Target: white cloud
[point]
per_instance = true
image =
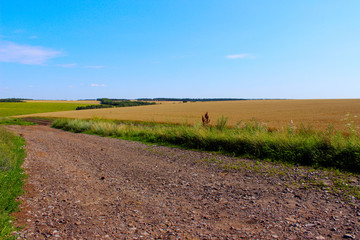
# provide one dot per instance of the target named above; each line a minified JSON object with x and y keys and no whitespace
{"x":70,"y":65}
{"x":236,"y":56}
{"x":97,"y":67}
{"x":97,"y":85}
{"x":24,"y":54}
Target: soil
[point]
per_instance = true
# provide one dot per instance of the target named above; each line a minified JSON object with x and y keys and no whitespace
{"x":89,"y":187}
{"x":38,"y":121}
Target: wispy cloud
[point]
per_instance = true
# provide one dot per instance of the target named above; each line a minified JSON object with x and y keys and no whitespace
{"x":96,"y":67}
{"x":24,"y":54}
{"x":70,"y":65}
{"x":97,"y":85}
{"x":237,"y":56}
{"x":33,"y":37}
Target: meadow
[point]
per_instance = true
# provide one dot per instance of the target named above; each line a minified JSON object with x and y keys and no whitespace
{"x":29,"y":107}
{"x":320,"y":114}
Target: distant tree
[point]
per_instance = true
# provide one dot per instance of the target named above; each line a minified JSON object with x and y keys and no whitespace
{"x":11,"y":100}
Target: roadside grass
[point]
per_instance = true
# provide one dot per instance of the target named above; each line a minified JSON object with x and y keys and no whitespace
{"x":21,"y":108}
{"x":14,"y":121}
{"x":302,"y":146}
{"x":12,"y":155}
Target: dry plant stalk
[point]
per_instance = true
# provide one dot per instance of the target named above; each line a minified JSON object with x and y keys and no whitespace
{"x":205,"y":120}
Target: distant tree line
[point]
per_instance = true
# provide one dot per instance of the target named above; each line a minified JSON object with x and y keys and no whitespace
{"x":94,"y":106}
{"x":110,"y":100}
{"x":123,"y":102}
{"x":12,"y":100}
{"x":109,"y":103}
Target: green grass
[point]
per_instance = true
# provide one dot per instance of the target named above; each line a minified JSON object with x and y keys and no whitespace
{"x":302,"y":146}
{"x":14,"y":121}
{"x":12,"y":155}
{"x":21,"y":108}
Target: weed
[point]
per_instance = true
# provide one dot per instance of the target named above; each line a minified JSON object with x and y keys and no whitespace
{"x":221,"y":123}
{"x":205,"y":120}
{"x":350,"y":124}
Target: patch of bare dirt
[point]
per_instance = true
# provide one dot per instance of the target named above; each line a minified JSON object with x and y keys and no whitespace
{"x":42,"y":122}
{"x":89,"y":187}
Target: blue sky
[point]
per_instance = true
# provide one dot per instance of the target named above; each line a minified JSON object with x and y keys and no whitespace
{"x":176,"y":48}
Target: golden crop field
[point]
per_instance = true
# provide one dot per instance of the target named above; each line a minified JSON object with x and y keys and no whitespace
{"x":275,"y":113}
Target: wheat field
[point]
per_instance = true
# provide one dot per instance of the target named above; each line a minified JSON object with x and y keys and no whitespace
{"x":275,"y":113}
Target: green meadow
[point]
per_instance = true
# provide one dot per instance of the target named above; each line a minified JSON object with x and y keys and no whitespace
{"x":21,"y":108}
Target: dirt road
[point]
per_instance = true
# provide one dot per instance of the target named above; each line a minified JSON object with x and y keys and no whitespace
{"x":89,"y":187}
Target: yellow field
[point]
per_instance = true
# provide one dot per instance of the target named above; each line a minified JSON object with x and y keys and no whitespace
{"x":63,"y":101}
{"x":275,"y":113}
